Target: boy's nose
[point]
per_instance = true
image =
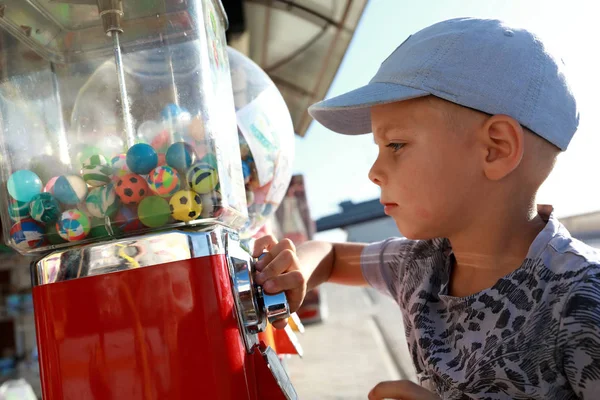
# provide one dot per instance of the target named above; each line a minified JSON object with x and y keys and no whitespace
{"x":375,"y":174}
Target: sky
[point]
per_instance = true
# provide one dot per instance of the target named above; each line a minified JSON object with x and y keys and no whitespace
{"x":335,"y":166}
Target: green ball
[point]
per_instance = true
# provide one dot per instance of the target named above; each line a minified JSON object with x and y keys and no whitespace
{"x":154,"y":211}
{"x":88,"y":151}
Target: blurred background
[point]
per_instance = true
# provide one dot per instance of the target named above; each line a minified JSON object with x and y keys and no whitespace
{"x":313,"y":49}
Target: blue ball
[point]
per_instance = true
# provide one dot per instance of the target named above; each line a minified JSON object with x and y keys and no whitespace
{"x":171,"y":111}
{"x":142,"y":158}
{"x":181,"y":156}
{"x":23,"y":185}
{"x":247,"y":171}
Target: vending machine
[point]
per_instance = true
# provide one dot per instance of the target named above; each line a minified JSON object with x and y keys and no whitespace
{"x":123,"y":182}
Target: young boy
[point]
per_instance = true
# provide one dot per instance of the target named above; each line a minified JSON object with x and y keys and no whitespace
{"x":498,"y":301}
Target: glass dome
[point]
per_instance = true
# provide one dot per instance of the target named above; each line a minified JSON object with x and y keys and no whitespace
{"x":266,"y":137}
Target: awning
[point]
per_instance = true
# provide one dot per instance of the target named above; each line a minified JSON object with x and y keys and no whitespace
{"x":301,"y":44}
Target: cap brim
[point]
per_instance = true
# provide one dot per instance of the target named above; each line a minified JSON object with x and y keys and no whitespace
{"x":350,"y":113}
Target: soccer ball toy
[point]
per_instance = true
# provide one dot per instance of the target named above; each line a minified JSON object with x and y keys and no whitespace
{"x":185,"y":205}
{"x":131,"y":189}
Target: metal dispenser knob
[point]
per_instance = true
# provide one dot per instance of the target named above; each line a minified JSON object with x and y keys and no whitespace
{"x":276,"y":306}
{"x":254,"y":307}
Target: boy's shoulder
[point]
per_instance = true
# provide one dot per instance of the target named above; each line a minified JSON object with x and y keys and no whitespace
{"x":571,"y":257}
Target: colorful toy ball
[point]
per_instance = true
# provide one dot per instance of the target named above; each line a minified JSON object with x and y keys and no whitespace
{"x":70,"y":189}
{"x":120,"y":168}
{"x":185,"y":205}
{"x":212,"y":205}
{"x":202,"y":178}
{"x":161,"y":141}
{"x":102,"y":201}
{"x":171,"y":111}
{"x":154,"y":211}
{"x":131,"y":189}
{"x":44,"y":208}
{"x":73,"y":225}
{"x":96,"y":170}
{"x":181,"y":156}
{"x":247,"y":171}
{"x":141,"y":158}
{"x":27,"y":234}
{"x":23,"y":185}
{"x":18,"y":210}
{"x":49,"y":188}
{"x":127,"y":220}
{"x":164,"y":181}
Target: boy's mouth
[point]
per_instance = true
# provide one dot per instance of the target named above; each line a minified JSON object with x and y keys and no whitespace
{"x":388,"y":207}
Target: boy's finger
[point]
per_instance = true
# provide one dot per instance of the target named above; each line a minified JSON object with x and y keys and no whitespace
{"x":284,"y":244}
{"x":281,"y":324}
{"x":278,"y":265}
{"x":292,"y":283}
{"x":262,"y":244}
{"x":263,"y":260}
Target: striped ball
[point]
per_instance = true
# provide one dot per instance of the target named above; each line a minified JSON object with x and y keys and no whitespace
{"x":102,"y":201}
{"x":202,"y":178}
{"x":97,"y":171}
{"x":70,"y":189}
{"x":164,"y":181}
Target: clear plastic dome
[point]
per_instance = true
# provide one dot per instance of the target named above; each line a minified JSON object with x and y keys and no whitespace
{"x":104,"y":138}
{"x":266,"y":136}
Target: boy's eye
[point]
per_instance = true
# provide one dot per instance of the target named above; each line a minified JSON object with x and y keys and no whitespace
{"x":395,"y":146}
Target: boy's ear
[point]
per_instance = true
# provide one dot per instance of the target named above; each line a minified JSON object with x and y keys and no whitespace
{"x":503,"y":141}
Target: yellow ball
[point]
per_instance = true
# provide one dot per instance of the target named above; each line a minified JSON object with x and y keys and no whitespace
{"x":186,"y":205}
{"x":203,"y":178}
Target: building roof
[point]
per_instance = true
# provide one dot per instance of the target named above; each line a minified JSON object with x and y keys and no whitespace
{"x":300,"y":44}
{"x":352,"y":214}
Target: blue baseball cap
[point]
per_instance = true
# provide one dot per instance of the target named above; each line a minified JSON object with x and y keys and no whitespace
{"x":483,"y":64}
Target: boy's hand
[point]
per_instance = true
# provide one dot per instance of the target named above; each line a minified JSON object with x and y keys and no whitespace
{"x":278,"y":270}
{"x":401,"y":390}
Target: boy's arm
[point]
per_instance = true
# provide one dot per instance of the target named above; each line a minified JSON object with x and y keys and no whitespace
{"x":331,"y":262}
{"x":579,"y":338}
{"x":283,"y":268}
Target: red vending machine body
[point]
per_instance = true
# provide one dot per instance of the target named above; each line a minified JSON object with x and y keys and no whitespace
{"x":157,"y":317}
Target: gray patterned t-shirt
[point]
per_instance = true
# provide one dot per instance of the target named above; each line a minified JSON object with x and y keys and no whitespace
{"x":534,"y":334}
